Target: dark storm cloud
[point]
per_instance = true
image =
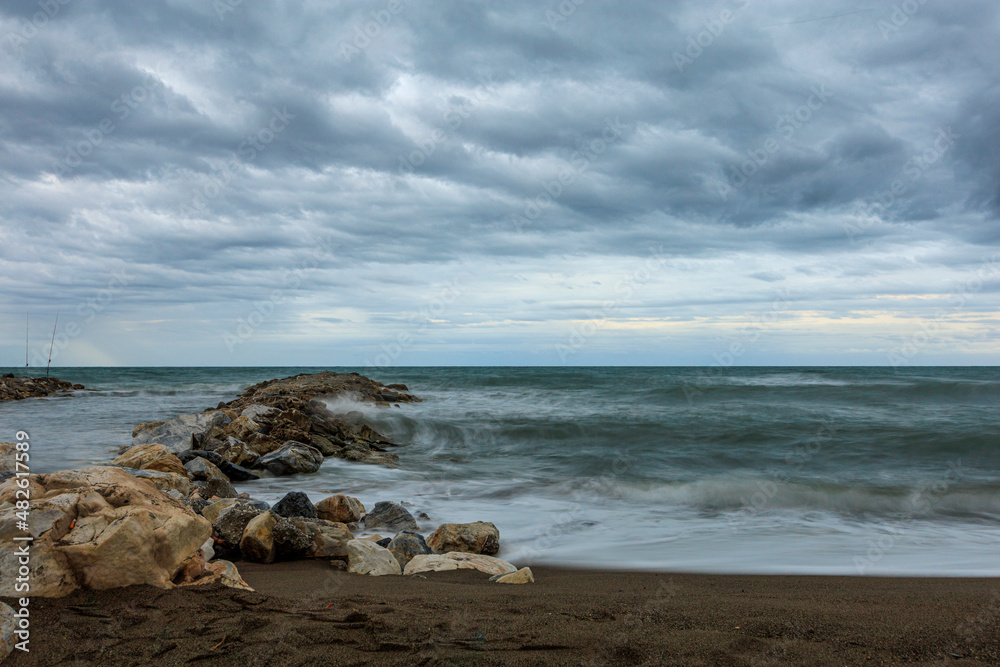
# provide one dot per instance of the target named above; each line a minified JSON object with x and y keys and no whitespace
{"x":419,"y":140}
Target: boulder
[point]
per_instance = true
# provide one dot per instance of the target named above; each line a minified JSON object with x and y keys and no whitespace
{"x":150,"y":456}
{"x":290,"y":541}
{"x":407,"y":544}
{"x":291,"y":424}
{"x":241,"y":428}
{"x":328,"y":539}
{"x":192,"y":454}
{"x":237,"y":473}
{"x":392,"y":516}
{"x":324,"y":423}
{"x":213,"y":509}
{"x":176,"y":434}
{"x":361,"y":452}
{"x":217,"y":488}
{"x":259,"y":413}
{"x":232,"y":522}
{"x":164,"y":481}
{"x":480,"y":537}
{"x":96,"y":528}
{"x":257,"y":544}
{"x":384,"y":542}
{"x":223,"y":572}
{"x":201,"y":470}
{"x":8,"y":624}
{"x":259,"y":504}
{"x":522,"y":576}
{"x":11,"y":492}
{"x":262,"y":444}
{"x":231,"y":449}
{"x":291,"y":458}
{"x":325,"y":446}
{"x":341,"y":508}
{"x":365,"y":557}
{"x":458,"y":560}
{"x":295,"y":504}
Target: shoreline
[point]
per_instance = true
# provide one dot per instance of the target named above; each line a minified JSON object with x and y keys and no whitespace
{"x":305,"y":612}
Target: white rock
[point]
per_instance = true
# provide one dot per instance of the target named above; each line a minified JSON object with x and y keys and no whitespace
{"x":364,"y":557}
{"x":522,"y":576}
{"x":256,"y":410}
{"x":208,"y":548}
{"x":458,"y":560}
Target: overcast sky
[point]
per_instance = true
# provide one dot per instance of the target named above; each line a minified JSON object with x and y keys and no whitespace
{"x":485,"y":183}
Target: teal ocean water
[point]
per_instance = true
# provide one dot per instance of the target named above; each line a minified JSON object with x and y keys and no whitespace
{"x":780,"y":470}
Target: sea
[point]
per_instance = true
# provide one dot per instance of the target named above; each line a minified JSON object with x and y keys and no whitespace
{"x":847,"y":471}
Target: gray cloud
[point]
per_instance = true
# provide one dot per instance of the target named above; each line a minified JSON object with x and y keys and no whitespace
{"x":763,"y":146}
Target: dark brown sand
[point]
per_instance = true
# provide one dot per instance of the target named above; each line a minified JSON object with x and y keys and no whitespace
{"x":304,"y":613}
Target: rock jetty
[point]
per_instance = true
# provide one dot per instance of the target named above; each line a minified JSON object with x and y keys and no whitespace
{"x":14,"y":388}
{"x":165,"y":512}
{"x":282,"y":427}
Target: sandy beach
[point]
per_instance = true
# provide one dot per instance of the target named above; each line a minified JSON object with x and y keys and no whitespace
{"x":305,"y":613}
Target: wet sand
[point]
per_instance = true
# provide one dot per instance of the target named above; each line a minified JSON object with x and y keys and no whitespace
{"x":305,"y":613}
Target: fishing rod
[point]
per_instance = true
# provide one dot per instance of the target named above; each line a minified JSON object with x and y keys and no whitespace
{"x":53,"y":343}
